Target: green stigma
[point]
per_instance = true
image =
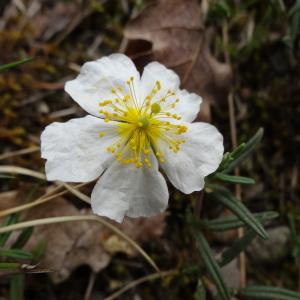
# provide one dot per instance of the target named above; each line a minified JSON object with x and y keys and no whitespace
{"x":155,"y":108}
{"x":143,"y":122}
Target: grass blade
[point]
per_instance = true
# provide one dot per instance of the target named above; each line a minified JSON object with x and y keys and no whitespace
{"x":266,"y":292}
{"x":23,"y":238}
{"x":12,"y":219}
{"x":15,"y":63}
{"x":211,"y":265}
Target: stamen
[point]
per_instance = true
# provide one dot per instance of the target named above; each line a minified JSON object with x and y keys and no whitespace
{"x":142,"y":129}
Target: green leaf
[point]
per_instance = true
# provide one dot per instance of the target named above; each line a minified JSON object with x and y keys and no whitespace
{"x":246,"y":150}
{"x":23,"y":238}
{"x":234,"y":179}
{"x":225,"y":197}
{"x":16,"y":253}
{"x":9,"y":266}
{"x":17,"y":287}
{"x":15,"y":63}
{"x":211,"y":265}
{"x":11,"y":219}
{"x":237,"y":247}
{"x":227,"y":223}
{"x":266,"y":292}
{"x":200,"y":291}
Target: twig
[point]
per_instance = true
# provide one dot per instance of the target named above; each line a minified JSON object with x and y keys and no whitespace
{"x":233,"y":131}
{"x":22,"y":171}
{"x":41,"y":200}
{"x":89,"y":289}
{"x":19,"y":152}
{"x":140,"y":281}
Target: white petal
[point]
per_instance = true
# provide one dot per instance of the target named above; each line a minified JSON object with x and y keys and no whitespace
{"x":74,"y":150}
{"x":189,"y":104}
{"x":125,"y":190}
{"x":198,"y":157}
{"x":98,"y":78}
{"x":157,"y":72}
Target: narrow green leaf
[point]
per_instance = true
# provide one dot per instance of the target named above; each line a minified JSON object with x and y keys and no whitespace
{"x":11,"y":219}
{"x":9,"y":266}
{"x":200,"y":291}
{"x":15,"y":63}
{"x":16,"y":253}
{"x":23,"y":238}
{"x":17,"y":287}
{"x":233,"y":222}
{"x":211,"y":265}
{"x":266,"y":292}
{"x":225,"y":197}
{"x":237,"y":247}
{"x":234,"y":179}
{"x":246,"y":151}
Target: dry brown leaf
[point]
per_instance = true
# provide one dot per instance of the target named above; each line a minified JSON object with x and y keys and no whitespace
{"x":180,"y":41}
{"x":70,"y":245}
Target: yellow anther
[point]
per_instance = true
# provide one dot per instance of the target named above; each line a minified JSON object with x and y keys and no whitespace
{"x":158,"y":85}
{"x":142,"y":124}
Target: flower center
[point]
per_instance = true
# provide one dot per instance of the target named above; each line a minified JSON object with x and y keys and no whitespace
{"x":142,"y":126}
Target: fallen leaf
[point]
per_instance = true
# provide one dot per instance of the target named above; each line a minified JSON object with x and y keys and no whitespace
{"x":73,"y":244}
{"x":69,"y":245}
{"x":180,"y":41}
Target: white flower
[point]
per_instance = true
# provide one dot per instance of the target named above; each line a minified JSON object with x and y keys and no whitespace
{"x":135,"y":125}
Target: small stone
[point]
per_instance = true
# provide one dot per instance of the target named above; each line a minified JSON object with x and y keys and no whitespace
{"x":271,"y":250}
